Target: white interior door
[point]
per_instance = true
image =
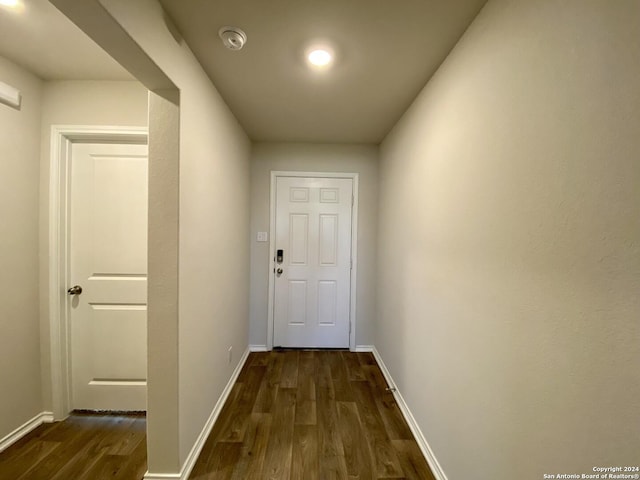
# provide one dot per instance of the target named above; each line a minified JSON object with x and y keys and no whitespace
{"x":108,"y":260}
{"x":313,"y":275}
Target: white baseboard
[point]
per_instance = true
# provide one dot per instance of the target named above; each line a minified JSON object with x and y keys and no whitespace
{"x":190,"y":462}
{"x":263,"y":348}
{"x":364,"y":348}
{"x":22,"y":430}
{"x":411,"y":421}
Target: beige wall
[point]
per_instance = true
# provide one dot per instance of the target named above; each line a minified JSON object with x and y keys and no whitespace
{"x":21,"y":397}
{"x":213,"y":231}
{"x":361,"y":159}
{"x":107,"y":103}
{"x":509,"y":194}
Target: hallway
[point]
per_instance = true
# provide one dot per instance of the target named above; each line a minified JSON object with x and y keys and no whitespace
{"x":495,"y":242}
{"x":291,"y":415}
{"x":311,"y":415}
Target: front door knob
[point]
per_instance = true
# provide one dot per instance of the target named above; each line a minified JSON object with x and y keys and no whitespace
{"x":75,"y":290}
{"x":279,"y":271}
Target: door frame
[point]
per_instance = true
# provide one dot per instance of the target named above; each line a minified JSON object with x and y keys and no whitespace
{"x":62,"y":139}
{"x":354,"y":248}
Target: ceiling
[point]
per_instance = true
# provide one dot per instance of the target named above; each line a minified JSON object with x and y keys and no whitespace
{"x":38,"y":37}
{"x":385,"y":53}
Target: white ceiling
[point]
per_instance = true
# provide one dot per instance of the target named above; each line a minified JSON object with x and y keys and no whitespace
{"x":386,"y":52}
{"x":38,"y":37}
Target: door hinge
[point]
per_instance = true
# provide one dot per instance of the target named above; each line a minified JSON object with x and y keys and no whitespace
{"x":351,"y":265}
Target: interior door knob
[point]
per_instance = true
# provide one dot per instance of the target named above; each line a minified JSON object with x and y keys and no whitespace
{"x":75,"y":290}
{"x":279,"y":271}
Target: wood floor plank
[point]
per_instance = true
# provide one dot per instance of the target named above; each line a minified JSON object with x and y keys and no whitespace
{"x":65,"y":452}
{"x":341,"y":384}
{"x":254,"y":447}
{"x":81,"y":463}
{"x":387,"y":464}
{"x":306,"y":391}
{"x":306,"y":381}
{"x":251,"y":386}
{"x":323,"y":372}
{"x":352,"y":364}
{"x":243,"y":405}
{"x":118,"y":467}
{"x":260,"y":359}
{"x":304,"y":462}
{"x":332,"y":468}
{"x":130,"y":439}
{"x":277,"y":463}
{"x":375,"y":378}
{"x":106,"y":434}
{"x":115,"y":433}
{"x":331,"y":461}
{"x":29,"y":459}
{"x":221,"y":462}
{"x":329,"y":439}
{"x":136,"y":463}
{"x":366,"y":358}
{"x":357,"y":453}
{"x":39,"y":433}
{"x":414,"y":465}
{"x":306,"y":413}
{"x":199,"y":470}
{"x":225,"y":417}
{"x":107,"y":466}
{"x":270,"y":384}
{"x":394,"y":422}
{"x":289,"y":377}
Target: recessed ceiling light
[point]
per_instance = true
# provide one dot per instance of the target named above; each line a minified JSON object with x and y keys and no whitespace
{"x":320,"y":57}
{"x":9,"y":3}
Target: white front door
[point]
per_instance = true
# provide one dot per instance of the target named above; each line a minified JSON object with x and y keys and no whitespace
{"x":313,"y":272}
{"x":108,"y":260}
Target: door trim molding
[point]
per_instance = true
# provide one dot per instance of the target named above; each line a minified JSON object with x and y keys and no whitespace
{"x":354,"y":247}
{"x":62,"y":138}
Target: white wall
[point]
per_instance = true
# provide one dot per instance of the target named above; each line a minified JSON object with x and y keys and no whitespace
{"x":213,"y":231}
{"x":361,"y":159}
{"x":509,"y":194}
{"x":111,"y":103}
{"x":21,"y":397}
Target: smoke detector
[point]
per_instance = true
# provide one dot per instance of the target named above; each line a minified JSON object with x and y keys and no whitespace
{"x":232,"y":37}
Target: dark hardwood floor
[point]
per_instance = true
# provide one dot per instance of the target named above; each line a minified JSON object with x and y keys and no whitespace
{"x":295,"y":415}
{"x":83,"y":447}
{"x":311,"y":415}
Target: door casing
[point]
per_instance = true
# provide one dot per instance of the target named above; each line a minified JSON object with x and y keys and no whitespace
{"x":62,"y":138}
{"x":272,"y":246}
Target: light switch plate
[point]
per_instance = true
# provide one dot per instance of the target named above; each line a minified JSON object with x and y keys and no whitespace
{"x":262,"y":237}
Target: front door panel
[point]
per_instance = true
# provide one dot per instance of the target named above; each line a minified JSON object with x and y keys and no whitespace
{"x":312,"y":284}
